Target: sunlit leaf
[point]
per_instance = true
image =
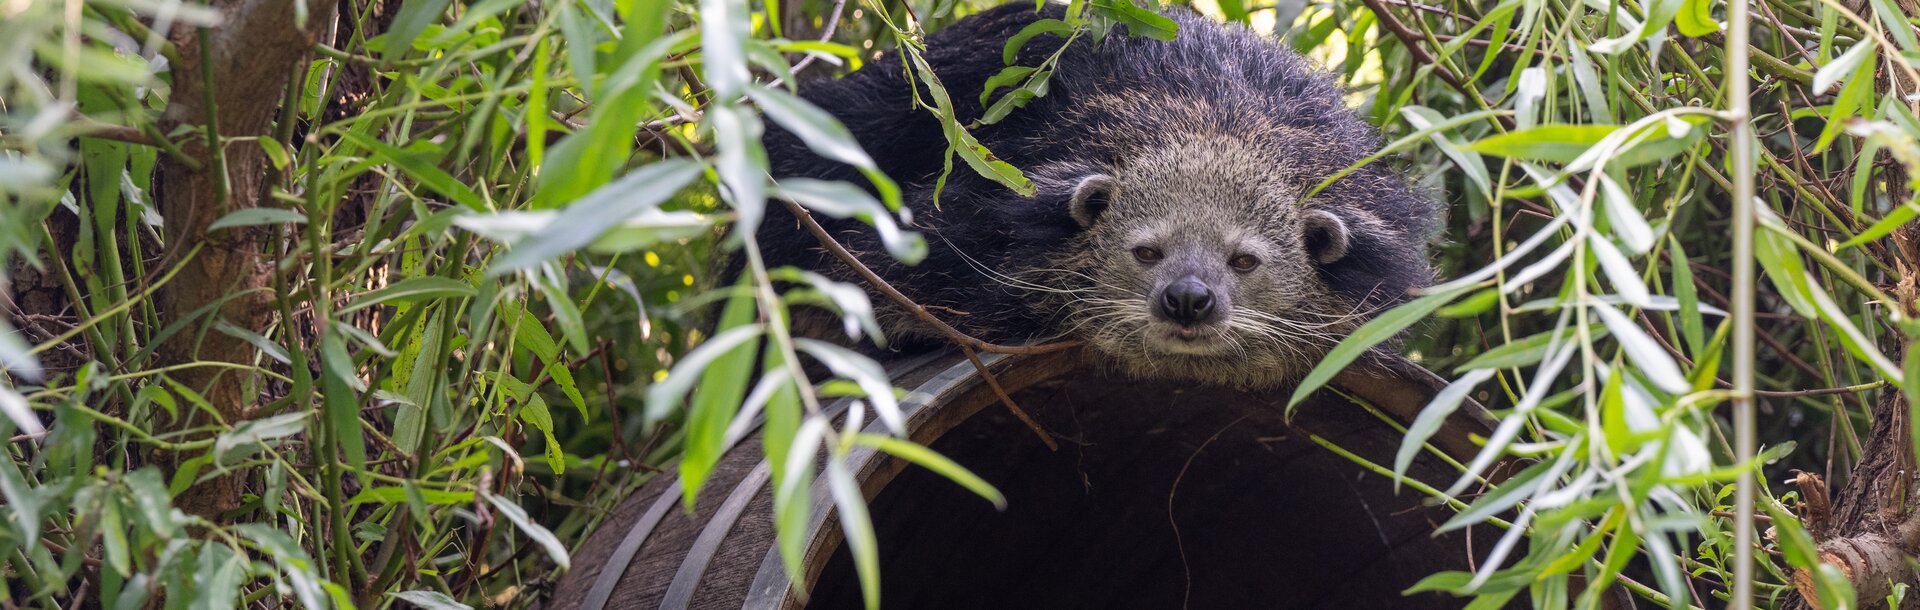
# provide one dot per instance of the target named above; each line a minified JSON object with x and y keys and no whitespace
{"x":586,"y":219}
{"x":1374,"y":332}
{"x":429,"y":600}
{"x":539,"y":534}
{"x":1432,"y":417}
{"x":252,"y":217}
{"x":412,"y":290}
{"x":928,"y":459}
{"x":1843,"y":66}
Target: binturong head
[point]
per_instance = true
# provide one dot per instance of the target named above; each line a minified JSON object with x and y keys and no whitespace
{"x":1203,"y":260}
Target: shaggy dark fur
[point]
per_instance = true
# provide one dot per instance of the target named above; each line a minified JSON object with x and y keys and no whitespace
{"x":1108,"y":104}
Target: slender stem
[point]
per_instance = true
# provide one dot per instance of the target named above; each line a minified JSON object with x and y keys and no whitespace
{"x":873,"y":279}
{"x":1739,"y":107}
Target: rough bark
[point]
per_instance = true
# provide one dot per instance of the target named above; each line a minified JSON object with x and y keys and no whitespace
{"x":1867,"y":527}
{"x":1871,"y":530}
{"x":247,"y":62}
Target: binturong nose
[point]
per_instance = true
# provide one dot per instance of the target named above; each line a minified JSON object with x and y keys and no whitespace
{"x":1187,"y":301}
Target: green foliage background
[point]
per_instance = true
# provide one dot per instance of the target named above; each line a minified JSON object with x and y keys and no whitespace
{"x":439,"y":417}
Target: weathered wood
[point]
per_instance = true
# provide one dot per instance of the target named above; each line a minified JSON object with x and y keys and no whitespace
{"x":247,"y":63}
{"x":1153,"y":482}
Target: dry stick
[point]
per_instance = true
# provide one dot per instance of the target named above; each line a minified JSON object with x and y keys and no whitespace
{"x":833,"y":246}
{"x":1413,"y":41}
{"x":994,"y":382}
{"x":968,"y":344}
{"x":833,"y":22}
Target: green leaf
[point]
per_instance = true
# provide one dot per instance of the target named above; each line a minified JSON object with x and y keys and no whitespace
{"x":251,"y":217}
{"x":1692,"y":326}
{"x":293,"y":562}
{"x":1007,"y":77}
{"x":857,"y":525}
{"x":664,"y":397}
{"x":1523,"y":352}
{"x":1458,"y":583}
{"x":534,"y":337}
{"x":651,"y":228}
{"x":1695,"y":18}
{"x":538,"y":533}
{"x":1510,"y":492}
{"x":1891,"y":14}
{"x":1856,"y":94}
{"x":792,"y":509}
{"x":1010,"y":52}
{"x":1557,"y":142}
{"x":276,"y":152}
{"x":429,"y":600}
{"x":1139,"y":21}
{"x":1372,"y":333}
{"x":741,"y":162}
{"x":414,"y":17}
{"x":959,"y":141}
{"x":1910,"y":389}
{"x":216,"y":578}
{"x":1627,"y":222}
{"x":563,"y":377}
{"x":1620,"y":272}
{"x":15,"y":408}
{"x":536,"y":414}
{"x":113,"y":536}
{"x":427,"y":174}
{"x":412,"y":290}
{"x":724,"y":30}
{"x":1432,"y":417}
{"x":1648,"y":356}
{"x":1895,"y":219}
{"x":422,"y":375}
{"x":864,"y":371}
{"x":822,"y":133}
{"x":1843,"y":66}
{"x":150,"y":498}
{"x":723,"y":384}
{"x":565,"y":313}
{"x":931,"y":460}
{"x":340,"y":386}
{"x":1235,"y":11}
{"x":396,"y":495}
{"x":1481,"y":302}
{"x":1008,"y":103}
{"x":255,"y":431}
{"x":841,"y":199}
{"x":577,"y":225}
{"x":1424,"y":119}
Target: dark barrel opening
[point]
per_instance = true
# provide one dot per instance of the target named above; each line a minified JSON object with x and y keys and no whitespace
{"x":1161,"y":496}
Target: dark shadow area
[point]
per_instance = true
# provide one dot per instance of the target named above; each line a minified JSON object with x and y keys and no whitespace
{"x":1261,"y":518}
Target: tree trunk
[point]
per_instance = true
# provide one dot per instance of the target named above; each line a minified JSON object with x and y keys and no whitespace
{"x":1868,"y":529}
{"x":232,"y":76}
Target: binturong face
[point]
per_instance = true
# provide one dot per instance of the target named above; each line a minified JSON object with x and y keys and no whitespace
{"x":1202,"y":262}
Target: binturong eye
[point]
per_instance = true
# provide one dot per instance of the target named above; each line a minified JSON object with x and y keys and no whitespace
{"x":1147,"y":254}
{"x":1244,"y":262}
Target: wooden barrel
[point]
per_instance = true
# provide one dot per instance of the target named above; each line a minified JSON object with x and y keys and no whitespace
{"x":1162,"y":495}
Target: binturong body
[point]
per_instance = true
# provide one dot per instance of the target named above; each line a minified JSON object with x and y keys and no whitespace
{"x":1170,"y":228}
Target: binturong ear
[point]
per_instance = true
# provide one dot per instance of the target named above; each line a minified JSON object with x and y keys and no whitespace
{"x":1091,"y":198}
{"x":1325,"y":236}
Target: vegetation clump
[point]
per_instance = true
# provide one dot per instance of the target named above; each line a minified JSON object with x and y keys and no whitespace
{"x":359,"y":303}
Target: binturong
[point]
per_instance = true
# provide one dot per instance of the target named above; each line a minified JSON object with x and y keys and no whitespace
{"x":1174,"y":227}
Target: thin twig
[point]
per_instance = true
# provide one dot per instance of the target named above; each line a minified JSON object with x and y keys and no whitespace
{"x":963,"y":339}
{"x":833,"y":21}
{"x":1018,"y":413}
{"x":968,"y":344}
